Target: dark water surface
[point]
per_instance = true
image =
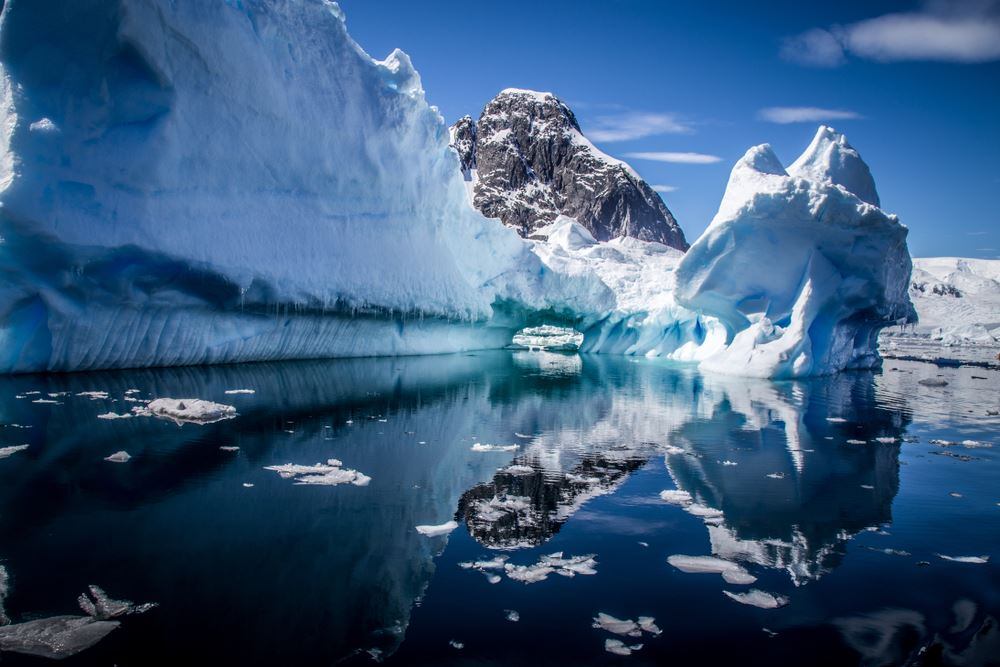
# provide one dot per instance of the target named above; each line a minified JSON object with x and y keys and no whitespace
{"x":788,"y":480}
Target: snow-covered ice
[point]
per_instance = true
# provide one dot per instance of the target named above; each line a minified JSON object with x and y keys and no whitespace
{"x":436,"y":530}
{"x":320,"y":474}
{"x":977,"y":560}
{"x":758,"y":598}
{"x":190,"y":410}
{"x":618,"y":647}
{"x":480,"y":447}
{"x":119,"y":457}
{"x":731,"y":572}
{"x":11,"y":450}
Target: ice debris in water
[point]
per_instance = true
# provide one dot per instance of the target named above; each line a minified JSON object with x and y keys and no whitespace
{"x":727,"y":462}
{"x":626,"y":627}
{"x":103,"y":607}
{"x":978,"y":560}
{"x":758,"y":598}
{"x":887,"y":440}
{"x":512,"y":615}
{"x":229,"y":448}
{"x":731,"y":572}
{"x":524,"y":436}
{"x":189,"y":410}
{"x":836,"y":420}
{"x":4,"y":590}
{"x":323,"y":474}
{"x":618,"y":647}
{"x":440,"y":529}
{"x":488,"y":567}
{"x":518,"y":470}
{"x":10,"y":451}
{"x":853,"y":441}
{"x":552,"y":564}
{"x":247,"y":485}
{"x":93,"y":395}
{"x":241,"y":391}
{"x":47,"y":401}
{"x":676,"y":497}
{"x":114,"y":415}
{"x":776,"y":475}
{"x":480,"y":447}
{"x":456,"y":645}
{"x":119,"y":457}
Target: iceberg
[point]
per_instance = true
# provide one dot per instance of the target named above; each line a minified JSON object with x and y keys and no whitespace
{"x":800,"y":266}
{"x":190,"y":183}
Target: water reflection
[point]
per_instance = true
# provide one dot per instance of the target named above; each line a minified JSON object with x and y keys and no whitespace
{"x":291,"y":574}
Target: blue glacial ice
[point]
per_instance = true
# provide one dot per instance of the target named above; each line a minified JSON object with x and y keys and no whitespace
{"x":190,"y":183}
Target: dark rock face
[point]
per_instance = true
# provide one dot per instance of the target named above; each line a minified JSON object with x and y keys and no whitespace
{"x":530,"y":163}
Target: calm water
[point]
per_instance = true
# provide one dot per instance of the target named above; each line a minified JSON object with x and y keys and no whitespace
{"x":788,"y":479}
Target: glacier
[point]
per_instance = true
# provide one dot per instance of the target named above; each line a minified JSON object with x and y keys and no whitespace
{"x":192,"y":183}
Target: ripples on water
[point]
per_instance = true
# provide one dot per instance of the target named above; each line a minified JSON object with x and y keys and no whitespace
{"x":827,"y":493}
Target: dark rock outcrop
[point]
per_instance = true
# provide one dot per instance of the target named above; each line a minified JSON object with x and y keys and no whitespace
{"x":529,"y":162}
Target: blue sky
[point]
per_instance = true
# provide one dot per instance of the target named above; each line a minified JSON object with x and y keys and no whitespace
{"x":914,"y":86}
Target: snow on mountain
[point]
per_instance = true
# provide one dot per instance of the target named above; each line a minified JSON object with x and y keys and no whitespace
{"x":801,"y":271}
{"x":957,"y":299}
{"x":216,"y":182}
{"x":527,"y":162}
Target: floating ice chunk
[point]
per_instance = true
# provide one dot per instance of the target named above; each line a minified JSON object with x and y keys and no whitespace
{"x":113,"y":415}
{"x":190,"y":410}
{"x":46,"y":401}
{"x":976,"y":444}
{"x":676,"y":497}
{"x":648,"y":624}
{"x":528,"y":574}
{"x":776,"y":475}
{"x":851,"y":441}
{"x":56,"y":637}
{"x":93,"y":395}
{"x":890,"y":552}
{"x":10,"y":451}
{"x":247,"y":485}
{"x":329,"y":474}
{"x":4,"y":591}
{"x":703,"y":511}
{"x":836,"y":420}
{"x":241,"y":391}
{"x":119,"y":457}
{"x":618,"y":647}
{"x":103,"y":607}
{"x":727,"y":462}
{"x":512,"y":615}
{"x":552,"y":564}
{"x":440,"y":529}
{"x":644,"y":544}
{"x":495,"y":563}
{"x":978,"y":560}
{"x":229,"y":448}
{"x":456,"y":645}
{"x":672,"y":450}
{"x":522,"y":435}
{"x":617,"y":626}
{"x":887,"y":440}
{"x":731,"y":572}
{"x":480,"y":447}
{"x":518,"y":470}
{"x":758,"y":598}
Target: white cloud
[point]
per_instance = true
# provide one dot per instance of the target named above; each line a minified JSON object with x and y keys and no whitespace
{"x":635,"y":125}
{"x":966,"y":31}
{"x":680,"y":158}
{"x":664,"y":188}
{"x":785,"y":115}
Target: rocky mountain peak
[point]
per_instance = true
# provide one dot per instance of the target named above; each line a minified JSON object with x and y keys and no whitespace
{"x":529,"y":162}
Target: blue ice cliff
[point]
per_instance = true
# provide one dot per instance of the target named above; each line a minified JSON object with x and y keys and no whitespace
{"x":191,"y":182}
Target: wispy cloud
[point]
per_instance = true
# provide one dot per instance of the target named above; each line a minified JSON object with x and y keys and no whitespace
{"x":785,"y":115}
{"x":976,"y":233}
{"x":664,"y":188}
{"x":680,"y":158}
{"x":635,"y":125}
{"x":958,"y":31}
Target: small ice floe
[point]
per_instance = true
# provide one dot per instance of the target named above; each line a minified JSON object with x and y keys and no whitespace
{"x":617,"y":626}
{"x":758,"y":598}
{"x":114,"y":415}
{"x":229,"y":448}
{"x":421,"y":442}
{"x":322,"y":474}
{"x":247,"y":485}
{"x":57,"y":394}
{"x":887,"y":440}
{"x":727,"y":462}
{"x":190,"y":410}
{"x":512,"y":615}
{"x":488,"y":567}
{"x":703,"y":511}
{"x":731,"y":572}
{"x":676,"y":497}
{"x":976,"y":444}
{"x":480,"y":447}
{"x":552,"y":564}
{"x":349,"y":422}
{"x":769,"y":632}
{"x":523,"y":436}
{"x":977,"y":560}
{"x":240,"y":391}
{"x":644,"y":544}
{"x":10,"y":451}
{"x":129,"y":392}
{"x":457,"y":645}
{"x":889,"y":552}
{"x":867,"y":486}
{"x":102,"y":607}
{"x":955,"y":494}
{"x":47,"y":401}
{"x":93,"y":395}
{"x":618,"y":647}
{"x":384,"y":421}
{"x":518,"y":470}
{"x":34,"y":392}
{"x":776,"y":475}
{"x":119,"y":457}
{"x":836,"y":420}
{"x":673,"y":450}
{"x":933,"y":382}
{"x":852,"y":441}
{"x":440,"y":529}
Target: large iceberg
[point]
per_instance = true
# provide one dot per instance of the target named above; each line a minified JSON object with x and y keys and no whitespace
{"x":800,"y":266}
{"x":205,"y":182}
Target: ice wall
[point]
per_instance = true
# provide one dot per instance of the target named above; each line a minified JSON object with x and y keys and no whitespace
{"x":801,"y":271}
{"x":195,"y":182}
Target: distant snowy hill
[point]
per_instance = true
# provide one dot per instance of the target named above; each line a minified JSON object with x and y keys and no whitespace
{"x":527,"y":162}
{"x":957,"y":299}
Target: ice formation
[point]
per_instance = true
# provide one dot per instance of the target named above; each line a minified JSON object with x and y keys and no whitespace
{"x":440,"y":529}
{"x":191,"y":183}
{"x":330,"y":473}
{"x":800,"y":266}
{"x":189,"y":410}
{"x":758,"y":598}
